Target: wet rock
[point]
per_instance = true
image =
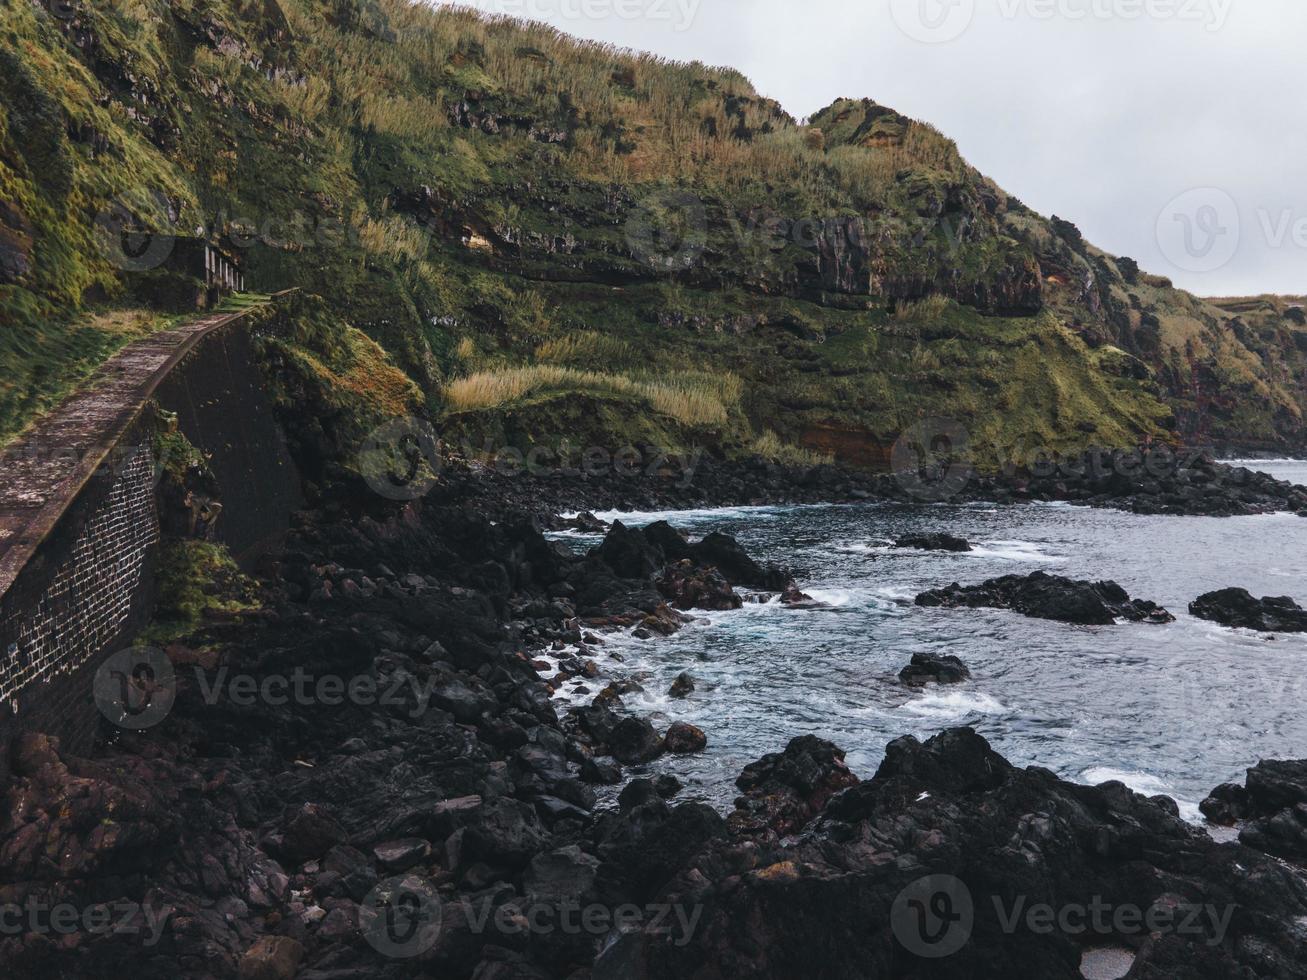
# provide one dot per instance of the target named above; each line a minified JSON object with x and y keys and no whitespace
{"x":688,"y":586}
{"x":682,"y":687}
{"x":636,"y":793}
{"x":634,"y":740}
{"x":792,"y":596}
{"x":601,"y":771}
{"x":584,"y":522}
{"x":1045,"y":596}
{"x":1272,"y":805}
{"x":928,"y":668}
{"x":667,"y":786}
{"x":1238,"y":608}
{"x":684,"y":739}
{"x":933,"y":542}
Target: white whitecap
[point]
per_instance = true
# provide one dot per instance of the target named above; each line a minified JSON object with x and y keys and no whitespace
{"x":1141,"y":782}
{"x":954,"y":704}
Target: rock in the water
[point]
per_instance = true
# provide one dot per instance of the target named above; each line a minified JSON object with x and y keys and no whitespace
{"x":634,"y":740}
{"x":792,"y":596}
{"x":933,"y":542}
{"x":1237,"y":607}
{"x":689,"y":586}
{"x":684,"y":739}
{"x":1045,"y":596}
{"x":929,"y":667}
{"x":682,"y":687}
{"x":1272,"y":807}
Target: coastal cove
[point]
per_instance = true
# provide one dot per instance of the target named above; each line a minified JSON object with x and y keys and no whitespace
{"x":1173,"y":709}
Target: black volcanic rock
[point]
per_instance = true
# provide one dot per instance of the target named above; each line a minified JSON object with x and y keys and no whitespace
{"x":783,"y":791}
{"x":933,"y":542}
{"x":928,"y":667}
{"x":1237,"y":607}
{"x":634,"y":740}
{"x":951,"y":815}
{"x":1045,"y":596}
{"x":1272,"y":806}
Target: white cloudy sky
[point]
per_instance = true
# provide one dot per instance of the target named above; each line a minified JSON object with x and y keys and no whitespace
{"x":1102,"y":111}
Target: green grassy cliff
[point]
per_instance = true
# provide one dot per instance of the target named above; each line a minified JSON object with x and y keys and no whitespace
{"x":555,"y":239}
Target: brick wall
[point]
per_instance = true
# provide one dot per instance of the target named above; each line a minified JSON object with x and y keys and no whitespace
{"x":89,"y":586}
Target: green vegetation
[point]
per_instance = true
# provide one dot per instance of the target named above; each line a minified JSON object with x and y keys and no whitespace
{"x":526,"y":236}
{"x":197,"y":583}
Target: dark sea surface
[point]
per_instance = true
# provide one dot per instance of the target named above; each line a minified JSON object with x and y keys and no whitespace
{"x":1173,"y":709}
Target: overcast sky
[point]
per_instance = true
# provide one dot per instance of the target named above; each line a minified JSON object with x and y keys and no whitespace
{"x":1173,"y":131}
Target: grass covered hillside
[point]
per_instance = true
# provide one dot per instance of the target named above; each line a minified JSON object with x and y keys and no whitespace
{"x":554,"y":239}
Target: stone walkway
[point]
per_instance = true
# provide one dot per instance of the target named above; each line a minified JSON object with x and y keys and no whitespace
{"x":43,"y":471}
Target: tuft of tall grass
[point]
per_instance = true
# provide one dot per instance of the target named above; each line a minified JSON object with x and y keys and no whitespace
{"x":771,"y":446}
{"x":694,"y":399}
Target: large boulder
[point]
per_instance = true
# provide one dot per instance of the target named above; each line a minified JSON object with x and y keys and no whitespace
{"x":928,"y":668}
{"x":689,"y":586}
{"x":634,"y":740}
{"x":682,"y":738}
{"x":1045,"y":596}
{"x":1237,"y":607}
{"x":783,"y":791}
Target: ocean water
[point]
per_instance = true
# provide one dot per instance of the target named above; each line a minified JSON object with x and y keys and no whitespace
{"x":1173,"y":709}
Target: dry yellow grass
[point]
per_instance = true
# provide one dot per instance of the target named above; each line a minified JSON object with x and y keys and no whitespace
{"x":923,"y":310}
{"x":771,"y":446}
{"x":693,"y":399}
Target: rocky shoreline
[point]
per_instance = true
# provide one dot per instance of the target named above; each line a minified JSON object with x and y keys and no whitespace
{"x":267,"y":837}
{"x":1158,"y":481}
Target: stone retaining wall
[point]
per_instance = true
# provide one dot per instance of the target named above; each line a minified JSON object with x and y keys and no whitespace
{"x":79,"y":513}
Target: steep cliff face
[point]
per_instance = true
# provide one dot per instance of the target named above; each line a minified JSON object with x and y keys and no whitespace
{"x":518,"y":217}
